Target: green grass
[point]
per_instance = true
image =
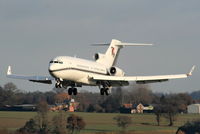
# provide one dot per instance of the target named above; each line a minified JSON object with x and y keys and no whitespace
{"x":102,"y":122}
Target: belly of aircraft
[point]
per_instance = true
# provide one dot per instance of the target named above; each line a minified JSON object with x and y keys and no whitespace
{"x":74,"y":75}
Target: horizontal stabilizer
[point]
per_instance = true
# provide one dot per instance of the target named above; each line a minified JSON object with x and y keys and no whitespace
{"x":106,"y":44}
{"x":123,"y":44}
{"x":132,"y":44}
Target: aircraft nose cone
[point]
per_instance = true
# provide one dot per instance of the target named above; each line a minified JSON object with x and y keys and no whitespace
{"x":51,"y":68}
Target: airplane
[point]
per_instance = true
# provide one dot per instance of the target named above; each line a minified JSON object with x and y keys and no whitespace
{"x":75,"y":72}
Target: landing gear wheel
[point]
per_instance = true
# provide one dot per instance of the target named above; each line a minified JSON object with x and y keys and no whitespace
{"x":75,"y":91}
{"x":102,"y":91}
{"x":106,"y":91}
{"x":56,"y":85}
{"x":70,"y":91}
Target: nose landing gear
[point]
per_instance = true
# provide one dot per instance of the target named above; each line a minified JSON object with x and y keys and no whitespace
{"x":58,"y":85}
{"x":62,"y":84}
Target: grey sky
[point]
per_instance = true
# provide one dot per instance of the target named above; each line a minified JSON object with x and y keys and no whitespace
{"x":34,"y":31}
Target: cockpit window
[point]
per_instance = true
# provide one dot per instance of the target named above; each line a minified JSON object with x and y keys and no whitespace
{"x":60,"y":62}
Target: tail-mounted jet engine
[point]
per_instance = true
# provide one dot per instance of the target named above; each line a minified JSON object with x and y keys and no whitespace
{"x":98,"y":56}
{"x":115,"y":71}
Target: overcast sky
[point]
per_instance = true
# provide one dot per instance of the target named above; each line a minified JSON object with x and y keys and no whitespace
{"x":34,"y":31}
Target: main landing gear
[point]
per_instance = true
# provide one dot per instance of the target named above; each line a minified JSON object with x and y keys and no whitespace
{"x":104,"y":91}
{"x":72,"y":91}
{"x":104,"y":88}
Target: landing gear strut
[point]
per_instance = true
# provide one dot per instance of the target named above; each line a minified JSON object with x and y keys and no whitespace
{"x":58,"y":85}
{"x":104,"y":91}
{"x":72,"y":91}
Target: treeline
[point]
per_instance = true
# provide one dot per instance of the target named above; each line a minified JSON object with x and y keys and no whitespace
{"x":94,"y":102}
{"x":90,"y":102}
{"x":11,"y":95}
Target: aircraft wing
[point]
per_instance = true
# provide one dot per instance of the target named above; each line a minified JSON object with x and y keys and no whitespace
{"x":141,"y":79}
{"x":39,"y":79}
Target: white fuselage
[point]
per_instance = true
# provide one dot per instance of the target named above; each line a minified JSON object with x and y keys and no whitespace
{"x":75,"y":69}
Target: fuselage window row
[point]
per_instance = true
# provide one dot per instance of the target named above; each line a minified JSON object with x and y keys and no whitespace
{"x":60,"y":62}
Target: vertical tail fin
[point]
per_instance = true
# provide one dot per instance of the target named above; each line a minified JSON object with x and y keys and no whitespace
{"x":110,"y":57}
{"x":112,"y":52}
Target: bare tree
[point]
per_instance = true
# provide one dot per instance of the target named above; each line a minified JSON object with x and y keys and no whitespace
{"x":170,"y":107}
{"x":75,"y":123}
{"x":158,"y":112}
{"x":10,"y":86}
{"x":140,"y":94}
{"x":61,"y":97}
{"x":59,"y":123}
{"x":123,"y":121}
{"x":42,"y":117}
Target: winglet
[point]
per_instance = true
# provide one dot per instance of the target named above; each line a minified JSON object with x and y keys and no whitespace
{"x":192,"y":69}
{"x":9,"y":72}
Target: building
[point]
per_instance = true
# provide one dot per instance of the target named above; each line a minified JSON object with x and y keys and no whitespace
{"x":136,"y":108}
{"x":148,"y":108}
{"x":126,"y":108}
{"x":73,"y":105}
{"x":140,"y":108}
{"x":69,"y":105}
{"x":23,"y":107}
{"x":193,"y":109}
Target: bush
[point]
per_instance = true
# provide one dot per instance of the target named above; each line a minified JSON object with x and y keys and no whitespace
{"x":123,"y":121}
{"x":4,"y":131}
{"x":190,"y":128}
{"x":30,"y":127}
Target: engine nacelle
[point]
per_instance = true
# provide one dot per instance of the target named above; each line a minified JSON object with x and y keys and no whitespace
{"x":98,"y":56}
{"x":115,"y":71}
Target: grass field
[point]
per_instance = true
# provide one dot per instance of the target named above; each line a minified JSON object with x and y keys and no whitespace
{"x":103,"y":122}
